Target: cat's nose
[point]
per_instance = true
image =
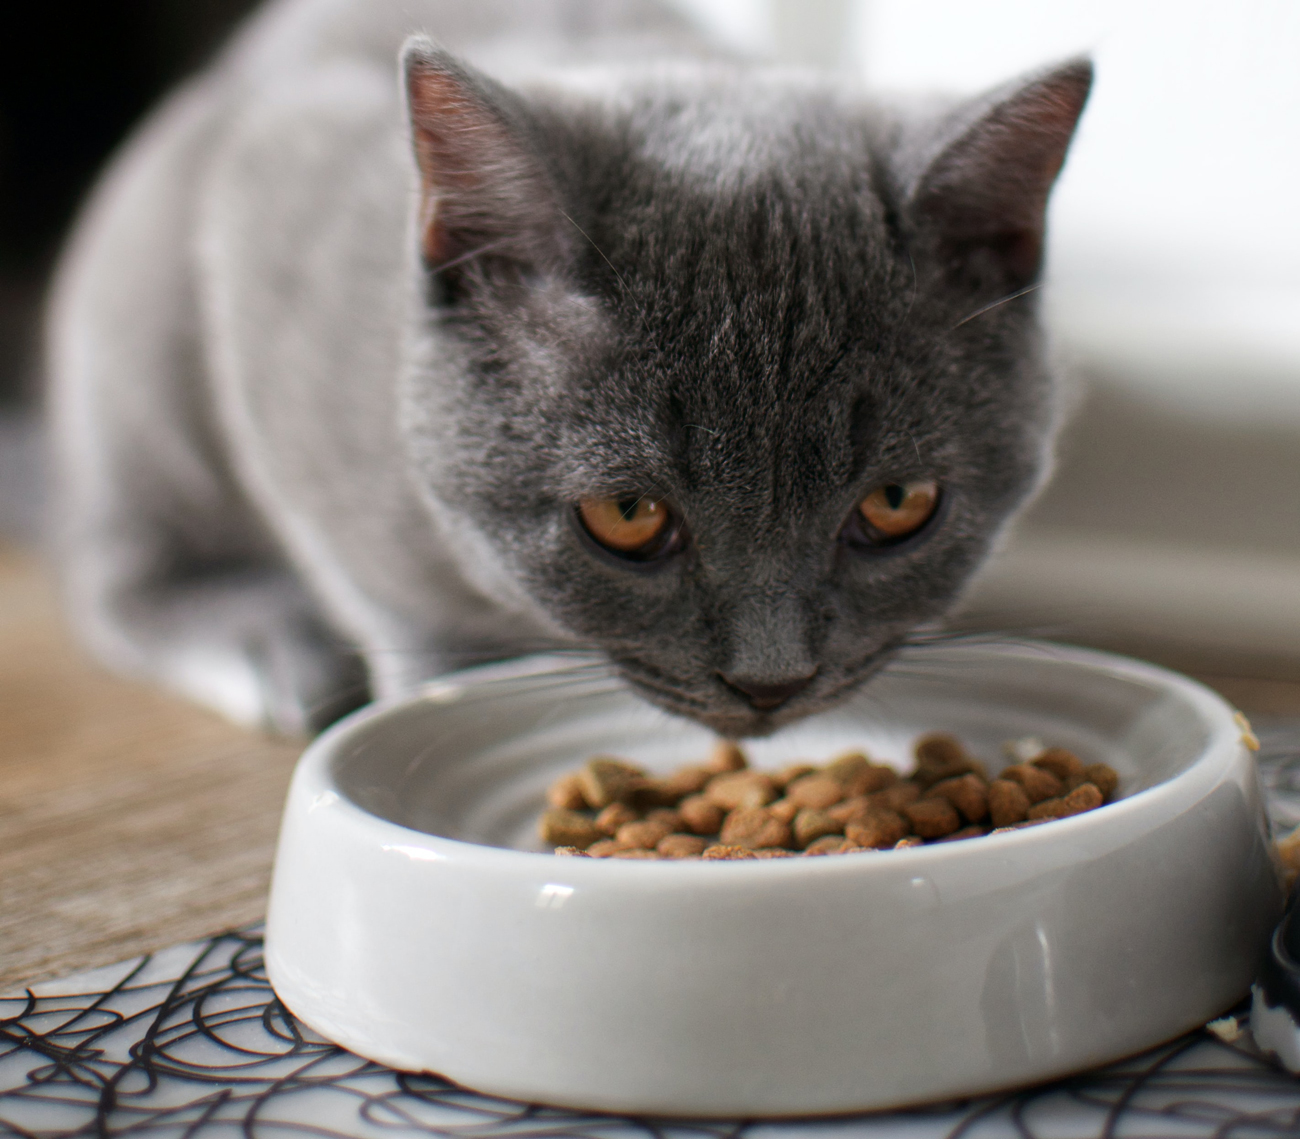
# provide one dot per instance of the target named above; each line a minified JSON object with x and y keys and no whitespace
{"x":766,"y":695}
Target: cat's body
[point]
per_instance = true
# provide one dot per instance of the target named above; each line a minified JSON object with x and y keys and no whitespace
{"x":282,"y":431}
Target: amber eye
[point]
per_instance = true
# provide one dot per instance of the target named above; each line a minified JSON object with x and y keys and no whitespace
{"x":893,"y":512}
{"x":636,"y":526}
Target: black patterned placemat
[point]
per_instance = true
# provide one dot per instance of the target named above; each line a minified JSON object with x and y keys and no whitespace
{"x":192,"y":1041}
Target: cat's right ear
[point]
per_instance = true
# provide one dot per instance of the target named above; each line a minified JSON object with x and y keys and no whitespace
{"x":483,"y":190}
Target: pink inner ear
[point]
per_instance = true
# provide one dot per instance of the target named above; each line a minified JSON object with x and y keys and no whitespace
{"x":460,"y":147}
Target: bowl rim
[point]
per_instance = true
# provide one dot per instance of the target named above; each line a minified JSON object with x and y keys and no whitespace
{"x":1225,"y":740}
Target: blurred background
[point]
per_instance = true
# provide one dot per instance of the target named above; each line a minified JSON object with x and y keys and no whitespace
{"x":1173,"y":524}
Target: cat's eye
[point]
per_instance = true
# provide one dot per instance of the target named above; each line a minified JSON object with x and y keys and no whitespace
{"x":639,"y":528}
{"x":892,"y":513}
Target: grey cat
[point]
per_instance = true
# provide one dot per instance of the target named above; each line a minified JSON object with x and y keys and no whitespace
{"x":586,"y":335}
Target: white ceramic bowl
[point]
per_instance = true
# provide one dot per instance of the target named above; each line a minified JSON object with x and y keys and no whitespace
{"x":413,"y":920}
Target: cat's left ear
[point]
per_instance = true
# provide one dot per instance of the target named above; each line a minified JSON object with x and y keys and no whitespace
{"x":982,"y":198}
{"x":483,"y":189}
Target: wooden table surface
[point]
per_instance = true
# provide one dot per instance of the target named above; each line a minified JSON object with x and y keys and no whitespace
{"x":131,"y":820}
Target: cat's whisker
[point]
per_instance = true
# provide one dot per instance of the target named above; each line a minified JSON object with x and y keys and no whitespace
{"x":998,"y":303}
{"x":491,"y":245}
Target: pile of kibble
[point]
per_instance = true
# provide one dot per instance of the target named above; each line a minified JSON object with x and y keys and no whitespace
{"x":724,"y":809}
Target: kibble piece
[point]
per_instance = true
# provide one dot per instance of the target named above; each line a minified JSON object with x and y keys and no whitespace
{"x":571,"y":852}
{"x":1104,"y":777}
{"x":613,"y":817}
{"x":878,"y":829}
{"x":699,"y":815}
{"x":897,"y":796}
{"x":671,"y":788}
{"x":1008,"y":803}
{"x":566,"y":793}
{"x":727,"y":756}
{"x":635,"y":852}
{"x":965,"y":832}
{"x":967,"y":793}
{"x":664,"y":816}
{"x":681,"y":846}
{"x":909,"y":840}
{"x":830,"y":844}
{"x":605,"y":848}
{"x":1038,"y":784}
{"x":604,"y":780}
{"x":875,"y":777}
{"x":719,"y":852}
{"x":1065,"y":765}
{"x":774,"y":852}
{"x":740,"y":789}
{"x":847,"y":766}
{"x":810,"y":825}
{"x":753,"y":827}
{"x":932,"y":818}
{"x":568,"y":828}
{"x":818,"y":791}
{"x":851,"y":809}
{"x":940,"y":756}
{"x":1085,"y":797}
{"x":784,"y":809}
{"x":789,"y":773}
{"x":643,"y":834}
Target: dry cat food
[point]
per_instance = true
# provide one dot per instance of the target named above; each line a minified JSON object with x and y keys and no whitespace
{"x":724,"y":809}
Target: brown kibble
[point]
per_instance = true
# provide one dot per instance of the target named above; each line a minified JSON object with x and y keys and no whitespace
{"x":877,"y":829}
{"x":727,"y":756}
{"x":1085,"y":797}
{"x":567,"y":828}
{"x":720,"y":852}
{"x":774,"y":852}
{"x":965,"y":832}
{"x":829,"y":844}
{"x":681,"y":846}
{"x":1104,"y":777}
{"x":1008,"y":803}
{"x":1038,"y":784}
{"x":940,"y":756}
{"x":670,"y":789}
{"x":605,"y":780}
{"x":753,"y":827}
{"x":875,"y":777}
{"x":699,"y":815}
{"x":666,"y":817}
{"x":910,"y":840}
{"x":1065,"y":765}
{"x":932,"y":818}
{"x":896,"y":796}
{"x":605,"y":848}
{"x":740,"y":789}
{"x":571,"y":852}
{"x":784,"y":809}
{"x":1020,"y":826}
{"x":613,"y":817}
{"x":816,"y":791}
{"x":851,"y":809}
{"x":635,"y":852}
{"x":565,"y":793}
{"x":968,"y":793}
{"x":848,"y":766}
{"x":643,"y":834}
{"x":782,"y":778}
{"x":810,"y":825}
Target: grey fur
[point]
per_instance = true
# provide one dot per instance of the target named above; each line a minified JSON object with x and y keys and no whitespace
{"x":289,"y":448}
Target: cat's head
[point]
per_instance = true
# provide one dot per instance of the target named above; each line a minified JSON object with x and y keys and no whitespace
{"x":733,"y":375}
